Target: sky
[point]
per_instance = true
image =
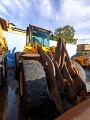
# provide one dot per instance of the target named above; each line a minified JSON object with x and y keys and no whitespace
{"x":49,"y":14}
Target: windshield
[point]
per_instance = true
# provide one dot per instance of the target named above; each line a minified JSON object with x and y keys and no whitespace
{"x":40,"y":36}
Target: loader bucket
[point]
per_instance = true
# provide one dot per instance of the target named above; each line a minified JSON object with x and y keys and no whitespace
{"x":79,"y":112}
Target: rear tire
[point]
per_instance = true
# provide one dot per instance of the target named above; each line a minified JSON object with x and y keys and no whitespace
{"x":17,"y":55}
{"x":17,"y":68}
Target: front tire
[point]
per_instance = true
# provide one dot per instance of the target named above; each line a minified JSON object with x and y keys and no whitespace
{"x":33,"y":84}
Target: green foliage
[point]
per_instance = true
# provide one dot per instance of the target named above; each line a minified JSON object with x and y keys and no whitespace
{"x":67,"y":32}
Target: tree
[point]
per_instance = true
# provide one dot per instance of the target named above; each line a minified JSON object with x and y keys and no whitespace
{"x":67,"y":32}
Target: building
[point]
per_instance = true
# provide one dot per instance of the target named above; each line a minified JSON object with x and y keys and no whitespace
{"x":16,"y":40}
{"x":10,"y":27}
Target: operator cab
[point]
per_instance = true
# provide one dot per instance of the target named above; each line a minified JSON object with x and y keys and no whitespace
{"x":37,"y":35}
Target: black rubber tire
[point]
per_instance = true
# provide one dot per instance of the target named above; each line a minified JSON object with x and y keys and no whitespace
{"x":1,"y":77}
{"x":33,"y":84}
{"x":3,"y":69}
{"x":17,"y":55}
{"x":82,"y":73}
{"x":6,"y":67}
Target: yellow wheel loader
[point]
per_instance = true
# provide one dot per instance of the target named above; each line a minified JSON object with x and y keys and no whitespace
{"x":3,"y":50}
{"x":83,"y":55}
{"x":49,"y":82}
{"x":34,"y":35}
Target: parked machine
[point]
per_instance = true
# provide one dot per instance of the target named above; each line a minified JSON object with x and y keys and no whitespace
{"x":34,"y":35}
{"x":49,"y":82}
{"x":83,"y":55}
{"x":3,"y":50}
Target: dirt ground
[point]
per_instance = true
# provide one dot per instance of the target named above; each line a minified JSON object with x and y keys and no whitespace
{"x":9,"y":97}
